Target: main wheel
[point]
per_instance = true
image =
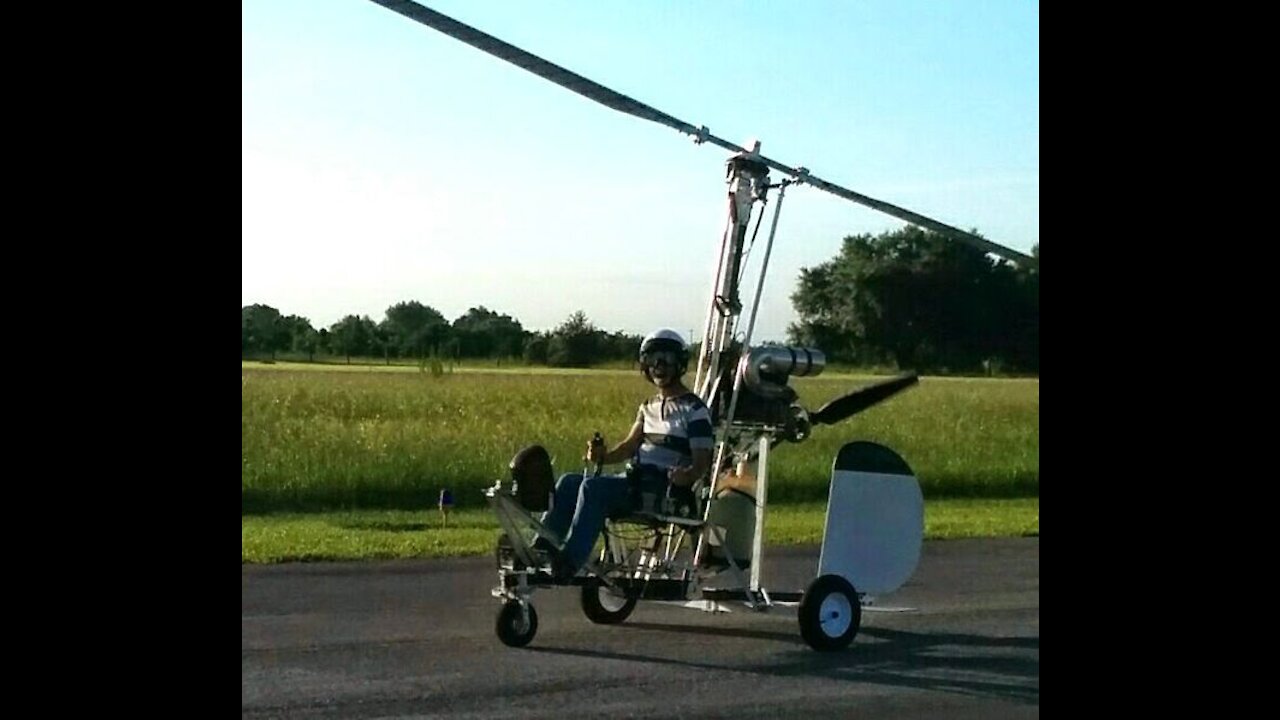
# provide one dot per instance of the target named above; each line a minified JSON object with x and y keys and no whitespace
{"x":830,"y":613}
{"x":517,"y":623}
{"x":604,"y":606}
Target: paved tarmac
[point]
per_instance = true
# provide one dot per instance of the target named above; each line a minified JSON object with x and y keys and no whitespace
{"x":415,"y":639}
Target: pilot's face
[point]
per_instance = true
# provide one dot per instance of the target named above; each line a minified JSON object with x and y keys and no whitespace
{"x":662,"y":366}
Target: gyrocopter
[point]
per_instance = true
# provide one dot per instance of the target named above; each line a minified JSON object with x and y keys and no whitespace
{"x":703,"y":547}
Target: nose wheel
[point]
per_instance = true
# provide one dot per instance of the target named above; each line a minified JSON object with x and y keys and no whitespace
{"x":517,"y":623}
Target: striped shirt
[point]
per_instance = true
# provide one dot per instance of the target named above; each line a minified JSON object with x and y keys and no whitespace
{"x":673,"y":428}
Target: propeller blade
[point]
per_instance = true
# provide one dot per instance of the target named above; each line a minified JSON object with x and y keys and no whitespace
{"x":861,"y":399}
{"x":617,"y":101}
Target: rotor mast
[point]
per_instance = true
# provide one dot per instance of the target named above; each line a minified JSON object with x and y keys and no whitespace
{"x":748,"y":181}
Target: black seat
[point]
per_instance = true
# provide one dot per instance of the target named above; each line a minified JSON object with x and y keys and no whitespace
{"x":671,"y":503}
{"x":532,"y":478}
{"x":683,"y":501}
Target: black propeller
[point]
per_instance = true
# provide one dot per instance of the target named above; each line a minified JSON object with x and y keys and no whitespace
{"x":861,"y":399}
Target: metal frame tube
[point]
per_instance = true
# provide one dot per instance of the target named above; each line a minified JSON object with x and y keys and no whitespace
{"x":705,"y":354}
{"x":762,"y":498}
{"x":764,"y":266}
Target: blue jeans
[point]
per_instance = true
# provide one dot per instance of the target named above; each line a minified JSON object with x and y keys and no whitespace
{"x":579,"y":507}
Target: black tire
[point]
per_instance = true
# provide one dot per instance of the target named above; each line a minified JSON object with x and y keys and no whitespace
{"x":513,"y":628}
{"x":602,"y":605}
{"x":830,"y":613}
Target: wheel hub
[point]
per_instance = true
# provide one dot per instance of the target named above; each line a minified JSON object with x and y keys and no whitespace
{"x":836,"y":614}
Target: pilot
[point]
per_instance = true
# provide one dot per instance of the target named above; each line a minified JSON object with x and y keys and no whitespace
{"x":670,"y":442}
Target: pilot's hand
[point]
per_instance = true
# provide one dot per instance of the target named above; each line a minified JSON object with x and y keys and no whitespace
{"x":595,"y":452}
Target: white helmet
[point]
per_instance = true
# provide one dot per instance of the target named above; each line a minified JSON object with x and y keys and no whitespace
{"x":668,"y":340}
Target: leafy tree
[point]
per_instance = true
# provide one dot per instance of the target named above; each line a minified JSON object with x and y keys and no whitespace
{"x":352,"y":335}
{"x":302,"y":337}
{"x":621,"y":346}
{"x":381,"y":343}
{"x":917,"y":299}
{"x":1024,"y":320}
{"x":575,"y":343}
{"x":412,"y":329}
{"x":480,"y":332}
{"x":262,"y":330}
{"x":535,"y":348}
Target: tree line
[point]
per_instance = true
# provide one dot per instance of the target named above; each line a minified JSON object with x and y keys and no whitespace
{"x":907,"y":299}
{"x":413,"y":330}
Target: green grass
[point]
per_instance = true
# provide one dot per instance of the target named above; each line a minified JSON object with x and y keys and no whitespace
{"x":360,"y":440}
{"x":363,"y":535}
{"x":346,"y":462}
{"x":385,"y":534}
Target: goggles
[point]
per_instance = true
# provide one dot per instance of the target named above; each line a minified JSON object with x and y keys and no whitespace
{"x":654,"y":358}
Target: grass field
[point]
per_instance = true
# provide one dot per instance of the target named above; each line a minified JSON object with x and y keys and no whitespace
{"x":386,"y":534}
{"x":346,"y":462}
{"x":324,"y":440}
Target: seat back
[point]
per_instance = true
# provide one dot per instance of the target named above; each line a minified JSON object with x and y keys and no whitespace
{"x":532,"y":479}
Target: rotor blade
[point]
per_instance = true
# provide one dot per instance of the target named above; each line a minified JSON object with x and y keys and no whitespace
{"x":536,"y":65}
{"x":622,"y":103}
{"x":861,"y":399}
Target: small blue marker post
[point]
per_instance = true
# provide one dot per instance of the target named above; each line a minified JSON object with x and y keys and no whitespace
{"x":446,"y":503}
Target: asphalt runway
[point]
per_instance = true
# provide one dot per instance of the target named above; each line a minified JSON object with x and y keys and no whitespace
{"x":410,"y":639}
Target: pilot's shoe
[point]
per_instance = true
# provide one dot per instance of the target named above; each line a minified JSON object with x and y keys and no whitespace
{"x":561,"y":569}
{"x":544,"y":551}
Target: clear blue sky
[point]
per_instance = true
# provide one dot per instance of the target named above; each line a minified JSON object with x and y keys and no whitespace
{"x":384,"y":161}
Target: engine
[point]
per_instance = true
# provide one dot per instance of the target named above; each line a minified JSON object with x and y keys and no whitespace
{"x":765,"y":398}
